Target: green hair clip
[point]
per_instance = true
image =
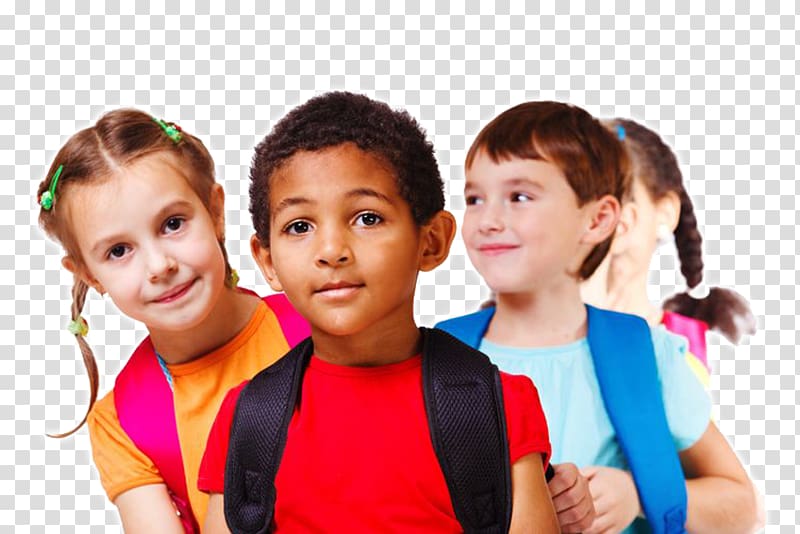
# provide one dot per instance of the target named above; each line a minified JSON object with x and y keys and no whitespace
{"x":172,"y":130}
{"x":49,"y":196}
{"x":78,"y":327}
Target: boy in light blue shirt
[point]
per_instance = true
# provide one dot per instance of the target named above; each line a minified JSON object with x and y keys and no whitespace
{"x":543,"y":185}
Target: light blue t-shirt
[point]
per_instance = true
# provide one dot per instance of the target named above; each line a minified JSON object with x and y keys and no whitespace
{"x":580,"y":430}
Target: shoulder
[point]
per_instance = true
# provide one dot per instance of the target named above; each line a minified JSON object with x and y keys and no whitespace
{"x":121,"y":465}
{"x":516,"y":383}
{"x":525,"y":420}
{"x":103,"y":413}
{"x":668,"y":347}
{"x":468,"y":328}
{"x":477,"y":317}
{"x":232,"y":397}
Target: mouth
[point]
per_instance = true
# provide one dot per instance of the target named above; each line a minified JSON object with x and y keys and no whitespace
{"x":174,"y":293}
{"x":337,"y":290}
{"x":494,"y":249}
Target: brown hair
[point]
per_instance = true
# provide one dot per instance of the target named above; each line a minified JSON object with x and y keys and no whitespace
{"x":656,"y":166}
{"x":591,"y":158}
{"x":118,"y":139}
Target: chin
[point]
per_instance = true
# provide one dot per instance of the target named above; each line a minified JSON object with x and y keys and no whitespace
{"x":339,"y":326}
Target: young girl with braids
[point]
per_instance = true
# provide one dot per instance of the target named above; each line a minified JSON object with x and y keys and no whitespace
{"x":134,"y":203}
{"x":656,"y":207}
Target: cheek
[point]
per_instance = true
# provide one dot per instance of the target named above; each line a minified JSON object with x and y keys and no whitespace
{"x":468,"y":225}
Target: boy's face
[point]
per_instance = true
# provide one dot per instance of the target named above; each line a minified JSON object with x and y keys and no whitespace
{"x":343,"y":243}
{"x":523,"y":228}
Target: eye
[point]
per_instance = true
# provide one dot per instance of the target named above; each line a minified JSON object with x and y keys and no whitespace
{"x":173,"y":224}
{"x":473,"y":200}
{"x":297,"y":227}
{"x":117,"y":251}
{"x":520,"y":197}
{"x":368,"y":219}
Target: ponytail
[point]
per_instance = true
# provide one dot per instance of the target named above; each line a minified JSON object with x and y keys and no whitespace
{"x":724,"y":310}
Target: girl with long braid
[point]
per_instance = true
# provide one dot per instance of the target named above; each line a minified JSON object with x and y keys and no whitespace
{"x":657,"y":208}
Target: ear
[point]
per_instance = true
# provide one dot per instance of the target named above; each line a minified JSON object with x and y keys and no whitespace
{"x":216,"y":207}
{"x":437,"y":236}
{"x":628,"y":215}
{"x":668,"y":210}
{"x":263,"y":258}
{"x":79,"y":271}
{"x":603,"y":218}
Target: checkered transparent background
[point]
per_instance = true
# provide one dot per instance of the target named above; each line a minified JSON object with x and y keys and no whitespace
{"x":721,"y":87}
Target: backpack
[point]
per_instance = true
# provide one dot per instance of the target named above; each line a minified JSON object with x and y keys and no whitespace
{"x":144,"y":404}
{"x":464,"y":405}
{"x":624,"y":359}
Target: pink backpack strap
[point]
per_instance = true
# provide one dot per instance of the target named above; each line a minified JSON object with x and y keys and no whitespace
{"x":295,"y":327}
{"x":146,"y":412}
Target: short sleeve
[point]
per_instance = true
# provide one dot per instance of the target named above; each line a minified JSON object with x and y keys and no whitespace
{"x":525,"y":420}
{"x":122,"y":466}
{"x":211,"y":478}
{"x":686,"y":400}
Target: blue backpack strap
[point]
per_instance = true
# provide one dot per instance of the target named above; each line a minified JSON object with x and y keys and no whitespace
{"x":624,"y":360}
{"x":470,"y":328}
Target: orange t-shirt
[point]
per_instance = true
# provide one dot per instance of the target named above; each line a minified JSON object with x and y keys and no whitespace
{"x":198,"y":389}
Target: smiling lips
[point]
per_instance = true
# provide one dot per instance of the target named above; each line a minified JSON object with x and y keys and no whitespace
{"x":336,"y":290}
{"x":174,"y":293}
{"x":495,"y":249}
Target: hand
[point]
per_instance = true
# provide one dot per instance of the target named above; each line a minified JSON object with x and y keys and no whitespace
{"x":569,"y":490}
{"x":615,"y":499}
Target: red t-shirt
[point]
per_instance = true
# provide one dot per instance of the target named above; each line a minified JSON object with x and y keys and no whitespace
{"x":359,"y":456}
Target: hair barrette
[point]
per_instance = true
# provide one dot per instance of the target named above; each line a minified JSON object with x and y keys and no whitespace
{"x":620,"y":132}
{"x":172,"y":130}
{"x":78,"y":326}
{"x":48,"y":198}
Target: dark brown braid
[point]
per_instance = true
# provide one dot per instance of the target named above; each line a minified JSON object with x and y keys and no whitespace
{"x":656,"y":166}
{"x":689,"y":242}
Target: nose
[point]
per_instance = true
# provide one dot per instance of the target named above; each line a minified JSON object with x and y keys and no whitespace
{"x":492,"y":218}
{"x":333,"y":249}
{"x":160,"y":263}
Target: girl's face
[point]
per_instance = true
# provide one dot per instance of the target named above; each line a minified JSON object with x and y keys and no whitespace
{"x":147,"y":239}
{"x":523,"y":228}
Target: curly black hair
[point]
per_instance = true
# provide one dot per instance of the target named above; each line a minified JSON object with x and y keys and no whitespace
{"x":335,"y":118}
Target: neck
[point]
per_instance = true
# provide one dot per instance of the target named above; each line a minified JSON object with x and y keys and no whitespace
{"x":228,"y":317}
{"x":555,"y":316}
{"x":377,"y":344}
{"x":621,"y":290}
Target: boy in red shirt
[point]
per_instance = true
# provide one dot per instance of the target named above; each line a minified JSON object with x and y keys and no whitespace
{"x":347,"y":202}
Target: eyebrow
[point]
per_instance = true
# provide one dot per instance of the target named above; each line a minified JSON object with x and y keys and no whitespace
{"x":513,"y":182}
{"x":288,"y":202}
{"x":367,"y":192}
{"x":525,"y":181}
{"x":353,"y":193}
{"x":168,"y":209}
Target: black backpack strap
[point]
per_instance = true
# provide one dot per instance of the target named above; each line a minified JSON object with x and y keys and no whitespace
{"x":258,"y":436}
{"x":464,"y":404}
